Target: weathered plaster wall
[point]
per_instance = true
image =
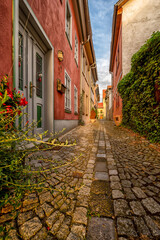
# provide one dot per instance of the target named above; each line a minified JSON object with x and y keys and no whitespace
{"x":85,"y":87}
{"x":51,"y":15}
{"x":140,"y":19}
{"x":6,"y":38}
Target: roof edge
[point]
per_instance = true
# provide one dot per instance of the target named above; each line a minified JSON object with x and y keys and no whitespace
{"x":113,"y":34}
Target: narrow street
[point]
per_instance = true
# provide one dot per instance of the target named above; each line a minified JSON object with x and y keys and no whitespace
{"x":110,"y":191}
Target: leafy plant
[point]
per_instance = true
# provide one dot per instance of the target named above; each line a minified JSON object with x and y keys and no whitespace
{"x":140,"y":90}
{"x":16,"y":174}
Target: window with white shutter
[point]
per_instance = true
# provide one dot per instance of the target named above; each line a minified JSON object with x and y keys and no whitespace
{"x":67,"y":92}
{"x":68,"y":20}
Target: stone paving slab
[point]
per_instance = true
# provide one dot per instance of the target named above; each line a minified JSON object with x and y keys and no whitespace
{"x":104,"y":229}
{"x":101,"y":176}
{"x":100,"y":167}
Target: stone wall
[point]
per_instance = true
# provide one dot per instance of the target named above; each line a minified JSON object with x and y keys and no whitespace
{"x":140,"y":18}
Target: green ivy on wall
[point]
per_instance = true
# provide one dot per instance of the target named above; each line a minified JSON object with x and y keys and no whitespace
{"x":140,"y":90}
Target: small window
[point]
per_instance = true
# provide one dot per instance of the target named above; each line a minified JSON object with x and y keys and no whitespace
{"x":76,"y":50}
{"x":68,"y":23}
{"x":75,"y":100}
{"x":67,"y":92}
{"x":20,"y":63}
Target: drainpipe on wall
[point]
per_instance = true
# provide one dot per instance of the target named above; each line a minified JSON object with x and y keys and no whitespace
{"x":80,"y":95}
{"x":13,"y":42}
{"x":15,"y":19}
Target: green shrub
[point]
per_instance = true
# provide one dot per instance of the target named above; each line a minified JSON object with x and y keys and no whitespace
{"x":139,"y":90}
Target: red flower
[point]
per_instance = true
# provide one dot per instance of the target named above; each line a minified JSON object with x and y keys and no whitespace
{"x":1,"y":94}
{"x":27,"y":122}
{"x":48,"y":228}
{"x":11,"y":96}
{"x":19,"y":112}
{"x":9,"y":93}
{"x":9,"y":110}
{"x":23,"y":102}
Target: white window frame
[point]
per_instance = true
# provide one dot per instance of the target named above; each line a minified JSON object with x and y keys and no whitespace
{"x":76,"y":49}
{"x":67,"y":78}
{"x":75,"y":99}
{"x":68,"y":34}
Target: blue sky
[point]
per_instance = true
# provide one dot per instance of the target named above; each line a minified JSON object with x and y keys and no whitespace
{"x":101,"y":13}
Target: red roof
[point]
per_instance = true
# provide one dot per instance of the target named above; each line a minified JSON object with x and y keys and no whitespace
{"x":100,"y":105}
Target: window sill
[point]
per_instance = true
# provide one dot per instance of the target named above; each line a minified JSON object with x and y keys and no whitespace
{"x":68,"y":111}
{"x":68,"y":40}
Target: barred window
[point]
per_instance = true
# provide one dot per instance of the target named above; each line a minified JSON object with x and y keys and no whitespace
{"x":67,"y":92}
{"x":75,"y":100}
{"x":76,"y":50}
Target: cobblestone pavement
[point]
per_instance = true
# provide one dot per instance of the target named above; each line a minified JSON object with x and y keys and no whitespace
{"x":135,"y":183}
{"x":112,"y":191}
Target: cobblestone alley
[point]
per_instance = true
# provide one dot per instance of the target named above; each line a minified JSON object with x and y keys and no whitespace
{"x":111,"y":191}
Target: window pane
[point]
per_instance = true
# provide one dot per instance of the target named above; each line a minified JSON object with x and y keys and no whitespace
{"x":38,"y":75}
{"x":39,"y":116}
{"x":20,"y":63}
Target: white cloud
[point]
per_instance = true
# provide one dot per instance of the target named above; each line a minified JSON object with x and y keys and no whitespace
{"x":101,"y":20}
{"x":103,"y":74}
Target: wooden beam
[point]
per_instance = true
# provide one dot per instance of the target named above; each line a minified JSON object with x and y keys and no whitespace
{"x":122,"y":3}
{"x":120,"y":11}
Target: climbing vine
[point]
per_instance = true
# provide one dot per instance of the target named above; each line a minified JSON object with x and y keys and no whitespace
{"x":140,"y":90}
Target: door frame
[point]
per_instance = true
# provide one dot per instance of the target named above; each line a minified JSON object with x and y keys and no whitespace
{"x":48,"y":48}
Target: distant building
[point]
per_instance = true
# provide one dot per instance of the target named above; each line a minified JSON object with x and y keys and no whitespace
{"x":100,"y":111}
{"x":104,"y":103}
{"x":88,"y":74}
{"x":134,"y":21}
{"x":109,"y":103}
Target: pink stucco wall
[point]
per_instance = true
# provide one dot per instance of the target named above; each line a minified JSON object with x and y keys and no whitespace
{"x":6,"y":39}
{"x":51,"y":15}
